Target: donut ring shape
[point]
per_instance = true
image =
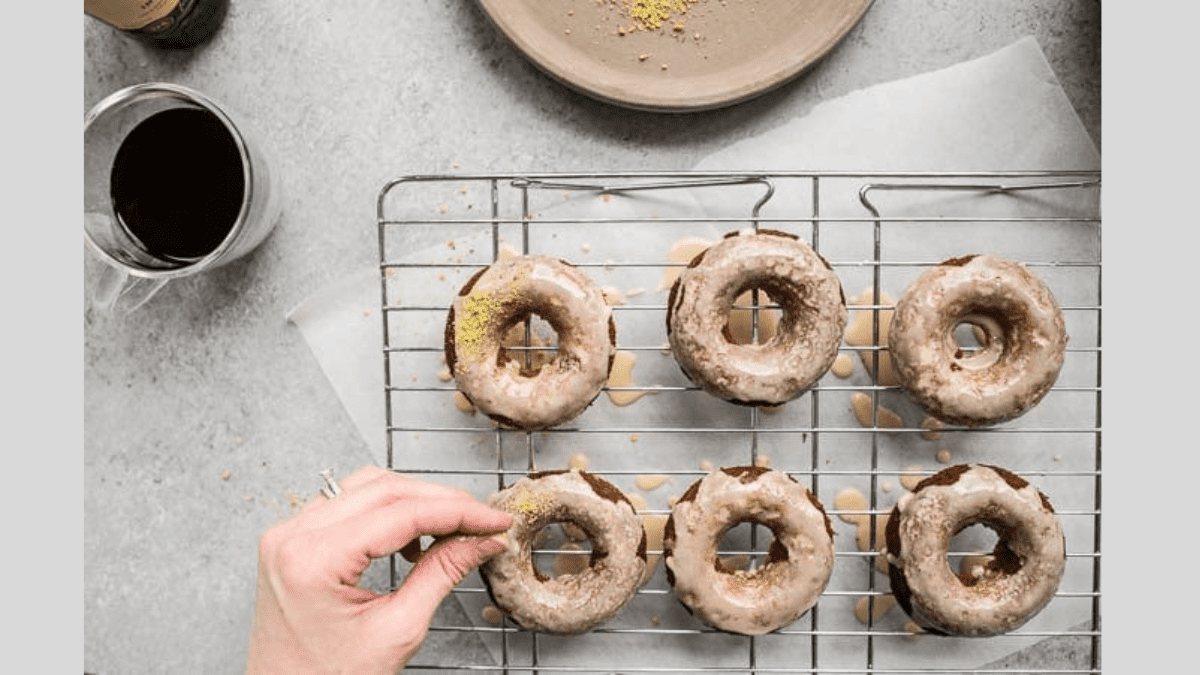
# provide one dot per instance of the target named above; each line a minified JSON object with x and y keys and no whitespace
{"x":799,"y":560}
{"x":809,"y":332}
{"x":568,"y":604}
{"x":1024,"y":346}
{"x":1022,"y":577}
{"x":505,"y":293}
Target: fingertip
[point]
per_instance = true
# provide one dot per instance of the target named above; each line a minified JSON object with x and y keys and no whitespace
{"x":493,"y":546}
{"x":491,"y":520}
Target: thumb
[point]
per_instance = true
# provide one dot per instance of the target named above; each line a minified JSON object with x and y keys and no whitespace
{"x":438,"y":571}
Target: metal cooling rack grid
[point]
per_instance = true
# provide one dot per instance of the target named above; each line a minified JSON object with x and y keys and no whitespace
{"x":494,"y":211}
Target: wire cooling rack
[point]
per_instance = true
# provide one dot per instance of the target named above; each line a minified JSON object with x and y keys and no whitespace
{"x":878,"y":231}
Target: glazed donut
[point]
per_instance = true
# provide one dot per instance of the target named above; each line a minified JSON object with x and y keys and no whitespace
{"x":1023,"y":348}
{"x":808,"y":335}
{"x":799,"y":561}
{"x":568,"y":604}
{"x":505,"y":293}
{"x":1016,"y":583}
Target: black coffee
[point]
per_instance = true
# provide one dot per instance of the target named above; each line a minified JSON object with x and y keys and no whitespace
{"x":177,"y":183}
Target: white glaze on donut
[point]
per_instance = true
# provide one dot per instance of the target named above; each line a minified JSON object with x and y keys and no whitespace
{"x":504,"y":294}
{"x":573,"y":603}
{"x":1025,"y":340}
{"x":1021,"y":578}
{"x":806,"y":340}
{"x":799,"y":561}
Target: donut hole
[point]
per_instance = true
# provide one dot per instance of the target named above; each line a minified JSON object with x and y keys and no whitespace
{"x":530,"y":342}
{"x":747,"y":546}
{"x":753,"y":318}
{"x":979,"y":340}
{"x":978,"y":553}
{"x":970,"y":338}
{"x":561,"y":549}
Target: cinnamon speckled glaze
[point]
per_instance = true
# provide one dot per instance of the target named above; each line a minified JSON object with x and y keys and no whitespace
{"x":809,"y":332}
{"x":1020,"y":359}
{"x":1020,"y":579}
{"x":496,"y":299}
{"x":799,"y":561}
{"x":567,"y":604}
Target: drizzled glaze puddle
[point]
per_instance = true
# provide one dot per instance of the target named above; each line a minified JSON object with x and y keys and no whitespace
{"x":622,"y":376}
{"x":860,"y":331}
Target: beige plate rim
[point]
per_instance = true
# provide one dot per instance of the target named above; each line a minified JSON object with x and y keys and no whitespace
{"x":521,"y":22}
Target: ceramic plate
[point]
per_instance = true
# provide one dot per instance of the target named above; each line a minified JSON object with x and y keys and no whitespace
{"x":716,"y":53}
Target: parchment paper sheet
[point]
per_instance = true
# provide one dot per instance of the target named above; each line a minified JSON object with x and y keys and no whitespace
{"x":1003,"y":111}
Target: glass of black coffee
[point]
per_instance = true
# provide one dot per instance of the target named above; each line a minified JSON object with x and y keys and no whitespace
{"x":172,"y":186}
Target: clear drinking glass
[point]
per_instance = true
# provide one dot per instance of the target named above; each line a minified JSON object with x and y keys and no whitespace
{"x":134,"y":269}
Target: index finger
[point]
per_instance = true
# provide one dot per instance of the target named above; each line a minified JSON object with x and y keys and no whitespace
{"x":371,"y":491}
{"x":383,"y":531}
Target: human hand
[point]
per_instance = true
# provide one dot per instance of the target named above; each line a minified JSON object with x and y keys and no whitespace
{"x":311,"y":616}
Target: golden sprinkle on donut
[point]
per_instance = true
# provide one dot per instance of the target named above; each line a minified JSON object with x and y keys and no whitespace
{"x":479,"y":311}
{"x":532,"y":504}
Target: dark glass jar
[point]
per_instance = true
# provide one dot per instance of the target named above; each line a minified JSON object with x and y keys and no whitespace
{"x":172,"y":24}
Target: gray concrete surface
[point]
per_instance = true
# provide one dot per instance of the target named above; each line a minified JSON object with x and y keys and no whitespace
{"x":206,"y":416}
